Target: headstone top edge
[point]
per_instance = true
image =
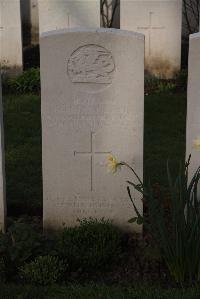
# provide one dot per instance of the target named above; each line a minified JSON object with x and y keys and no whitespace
{"x":137,"y":1}
{"x":195,"y":35}
{"x":92,"y":30}
{"x":94,"y":1}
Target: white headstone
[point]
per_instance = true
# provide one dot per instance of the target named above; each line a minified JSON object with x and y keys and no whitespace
{"x":10,"y":36}
{"x":161,"y":22}
{"x":92,"y":106}
{"x":62,"y":14}
{"x":2,"y":169}
{"x":193,"y":102}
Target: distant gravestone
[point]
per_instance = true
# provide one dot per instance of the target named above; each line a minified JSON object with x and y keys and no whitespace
{"x":92,"y":106}
{"x":2,"y":169}
{"x":161,"y":22}
{"x":10,"y":36}
{"x":193,"y":102}
{"x":61,"y":14}
{"x":30,"y":22}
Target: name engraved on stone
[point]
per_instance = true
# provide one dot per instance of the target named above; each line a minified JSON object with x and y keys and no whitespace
{"x":91,"y":64}
{"x":92,"y":154}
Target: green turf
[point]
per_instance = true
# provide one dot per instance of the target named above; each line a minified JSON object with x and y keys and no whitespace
{"x":22,"y":126}
{"x":164,"y":134}
{"x":164,"y":138}
{"x":94,"y":292}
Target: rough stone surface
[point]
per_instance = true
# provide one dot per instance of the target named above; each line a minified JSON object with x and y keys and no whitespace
{"x":2,"y":169}
{"x":161,"y":22}
{"x":92,"y":105}
{"x":61,"y":14}
{"x":10,"y":36}
{"x":193,"y":104}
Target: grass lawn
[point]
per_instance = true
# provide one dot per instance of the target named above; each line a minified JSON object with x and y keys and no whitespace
{"x":164,"y":134}
{"x":22,"y":130}
{"x":94,"y":292}
{"x":164,"y":138}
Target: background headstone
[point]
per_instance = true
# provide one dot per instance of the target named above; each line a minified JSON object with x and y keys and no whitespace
{"x":10,"y":36}
{"x":2,"y":168}
{"x":193,"y":102}
{"x":161,"y":22}
{"x":34,"y":18}
{"x":30,"y":22}
{"x":61,"y":14}
{"x":92,"y":105}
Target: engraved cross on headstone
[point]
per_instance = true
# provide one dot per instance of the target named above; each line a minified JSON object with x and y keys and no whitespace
{"x":92,"y":154}
{"x":150,"y":28}
{"x":68,"y":21}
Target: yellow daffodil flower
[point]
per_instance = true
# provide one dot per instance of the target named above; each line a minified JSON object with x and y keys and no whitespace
{"x":196,"y":143}
{"x":112,"y":164}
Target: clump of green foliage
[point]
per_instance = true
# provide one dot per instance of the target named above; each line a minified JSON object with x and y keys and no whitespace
{"x":175,"y":225}
{"x":27,"y":82}
{"x":93,"y":245}
{"x":166,"y":87}
{"x":151,"y":83}
{"x":182,"y":78}
{"x":154,"y":84}
{"x":44,"y":270}
{"x":20,"y":244}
